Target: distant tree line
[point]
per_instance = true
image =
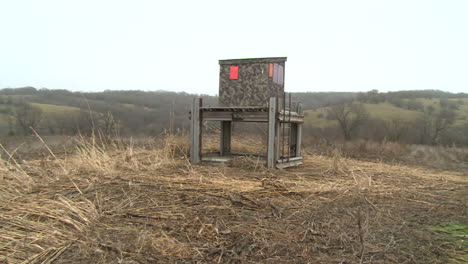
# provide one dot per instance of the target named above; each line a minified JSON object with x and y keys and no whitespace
{"x":123,"y":112}
{"x":152,"y":113}
{"x":131,"y":112}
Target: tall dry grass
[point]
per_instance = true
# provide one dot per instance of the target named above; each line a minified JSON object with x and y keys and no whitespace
{"x":14,"y":180}
{"x":441,"y":157}
{"x":108,"y":156}
{"x":140,"y":202}
{"x":44,"y":202}
{"x":37,"y":220}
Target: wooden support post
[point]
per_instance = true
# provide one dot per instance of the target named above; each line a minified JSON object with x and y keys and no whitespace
{"x":278,"y":138}
{"x":299,"y":132}
{"x":195,"y":131}
{"x":273,"y":128}
{"x":225,"y":142}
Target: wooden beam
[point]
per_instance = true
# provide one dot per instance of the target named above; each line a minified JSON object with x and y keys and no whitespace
{"x":299,"y":132}
{"x":195,"y":131}
{"x":236,"y":109}
{"x":235,"y":116}
{"x":295,"y":118}
{"x":278,"y":140}
{"x":291,"y":159}
{"x":216,"y":159}
{"x":272,"y":132}
{"x":289,"y":164}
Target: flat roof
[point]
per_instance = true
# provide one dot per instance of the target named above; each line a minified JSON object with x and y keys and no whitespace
{"x":253,"y":60}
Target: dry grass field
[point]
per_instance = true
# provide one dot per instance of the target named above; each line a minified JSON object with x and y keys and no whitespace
{"x":127,"y":203}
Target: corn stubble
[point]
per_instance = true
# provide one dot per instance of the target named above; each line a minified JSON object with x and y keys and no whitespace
{"x":145,"y":203}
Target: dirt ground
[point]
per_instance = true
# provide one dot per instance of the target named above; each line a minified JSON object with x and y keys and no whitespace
{"x":144,"y":206}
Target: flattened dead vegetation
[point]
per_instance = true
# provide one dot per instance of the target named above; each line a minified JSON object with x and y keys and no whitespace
{"x":136,"y":205}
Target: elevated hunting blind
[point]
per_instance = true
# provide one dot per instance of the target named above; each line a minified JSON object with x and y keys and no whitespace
{"x":251,"y":90}
{"x":250,"y":82}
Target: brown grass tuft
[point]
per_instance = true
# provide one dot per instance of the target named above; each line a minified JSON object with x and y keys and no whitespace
{"x":247,"y":162}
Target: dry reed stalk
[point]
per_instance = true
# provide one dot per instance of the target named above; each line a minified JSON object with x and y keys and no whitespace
{"x":247,"y":162}
{"x":25,"y":177}
{"x":36,"y":224}
{"x":56,"y":159}
{"x":94,"y":156}
{"x":338,"y":164}
{"x":109,"y":158}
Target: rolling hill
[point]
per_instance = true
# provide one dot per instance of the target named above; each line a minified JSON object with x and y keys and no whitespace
{"x":387,"y":112}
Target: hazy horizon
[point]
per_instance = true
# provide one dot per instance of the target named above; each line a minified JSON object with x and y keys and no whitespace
{"x":216,"y":94}
{"x":332,"y":46}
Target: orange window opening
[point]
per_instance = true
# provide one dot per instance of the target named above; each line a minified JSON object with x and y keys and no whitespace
{"x":234,"y":73}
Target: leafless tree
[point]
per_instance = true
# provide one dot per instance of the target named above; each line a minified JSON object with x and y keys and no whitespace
{"x":434,"y":123}
{"x":60,"y":123}
{"x":396,"y":129}
{"x":27,"y":116}
{"x":349,"y":116}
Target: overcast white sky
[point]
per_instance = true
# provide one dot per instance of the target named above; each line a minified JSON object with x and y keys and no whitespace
{"x":92,"y":45}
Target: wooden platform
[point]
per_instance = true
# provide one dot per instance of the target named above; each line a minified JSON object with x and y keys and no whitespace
{"x":236,"y":109}
{"x":247,"y":114}
{"x":284,"y":131}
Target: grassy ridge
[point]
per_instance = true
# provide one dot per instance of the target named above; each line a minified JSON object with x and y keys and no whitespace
{"x":56,"y":109}
{"x":47,"y":109}
{"x":387,"y":112}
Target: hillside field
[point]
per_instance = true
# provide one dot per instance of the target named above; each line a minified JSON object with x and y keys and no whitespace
{"x":146,"y":204}
{"x":48,"y":110}
{"x":386,"y":111}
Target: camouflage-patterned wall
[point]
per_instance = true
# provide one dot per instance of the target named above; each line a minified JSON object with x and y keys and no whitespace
{"x":253,"y":87}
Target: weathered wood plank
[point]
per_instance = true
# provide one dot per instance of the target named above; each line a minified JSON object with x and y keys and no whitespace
{"x":272,"y":130}
{"x":277,"y":140}
{"x":195,"y":131}
{"x":299,"y":132}
{"x":236,"y":109}
{"x":289,"y":164}
{"x":291,"y":159}
{"x":295,"y":118}
{"x":216,"y":159}
{"x":236,"y":116}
